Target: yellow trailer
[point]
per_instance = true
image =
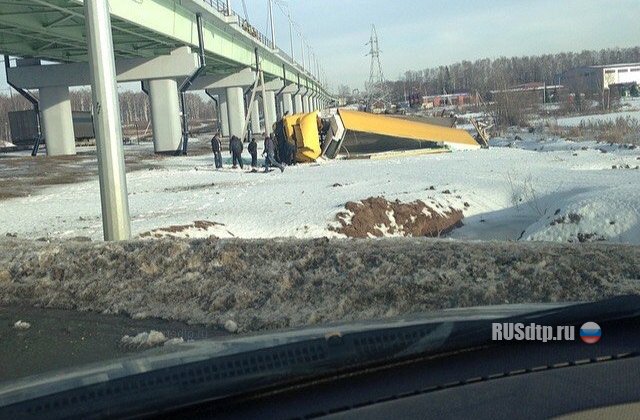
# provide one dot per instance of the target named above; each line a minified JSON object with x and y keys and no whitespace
{"x":358,"y":132}
{"x":303,"y":131}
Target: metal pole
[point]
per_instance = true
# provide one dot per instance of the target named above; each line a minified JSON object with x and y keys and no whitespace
{"x":302,"y":49}
{"x":228,"y":7}
{"x":293,"y":53}
{"x":273,"y":29}
{"x":111,"y":171}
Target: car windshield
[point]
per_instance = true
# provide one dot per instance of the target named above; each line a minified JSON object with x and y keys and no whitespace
{"x":176,"y":172}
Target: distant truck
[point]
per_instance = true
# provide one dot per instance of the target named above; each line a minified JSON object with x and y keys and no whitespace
{"x":24,"y":126}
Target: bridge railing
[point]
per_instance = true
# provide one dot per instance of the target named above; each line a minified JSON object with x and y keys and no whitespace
{"x":221,"y":6}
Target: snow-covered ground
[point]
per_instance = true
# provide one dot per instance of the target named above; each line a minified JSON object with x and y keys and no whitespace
{"x":537,"y":188}
{"x":586,"y":119}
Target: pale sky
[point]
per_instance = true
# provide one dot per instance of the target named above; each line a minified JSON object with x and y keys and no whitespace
{"x":416,"y":34}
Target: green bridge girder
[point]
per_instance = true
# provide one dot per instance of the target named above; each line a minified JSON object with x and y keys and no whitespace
{"x":54,"y":30}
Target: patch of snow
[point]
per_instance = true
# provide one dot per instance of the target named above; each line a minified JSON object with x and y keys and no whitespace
{"x":231,"y":326}
{"x":586,"y":119}
{"x":174,"y":341}
{"x":21,"y":325}
{"x":591,"y":216}
{"x":152,"y":338}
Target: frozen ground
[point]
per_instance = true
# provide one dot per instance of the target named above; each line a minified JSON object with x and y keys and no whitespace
{"x":630,"y":109}
{"x":531,"y":188}
{"x":575,"y":121}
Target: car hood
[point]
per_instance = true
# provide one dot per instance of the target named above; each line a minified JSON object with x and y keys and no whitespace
{"x":195,"y":351}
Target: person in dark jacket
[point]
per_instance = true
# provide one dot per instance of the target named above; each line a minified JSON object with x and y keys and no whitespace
{"x":293,"y":153}
{"x":253,"y":151}
{"x":216,"y":147}
{"x":235,"y":147}
{"x":269,"y":150}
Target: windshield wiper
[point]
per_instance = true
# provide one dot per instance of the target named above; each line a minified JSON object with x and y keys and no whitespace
{"x":139,"y":386}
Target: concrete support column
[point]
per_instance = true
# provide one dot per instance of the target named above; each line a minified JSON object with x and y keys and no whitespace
{"x":270,"y":113}
{"x":255,"y":117}
{"x":305,"y":103}
{"x":224,"y":112}
{"x":297,"y":104}
{"x":287,"y":104}
{"x":235,"y":106}
{"x":165,"y":115}
{"x":57,"y":121}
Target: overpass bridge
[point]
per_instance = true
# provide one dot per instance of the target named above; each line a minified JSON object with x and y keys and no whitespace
{"x":172,"y":46}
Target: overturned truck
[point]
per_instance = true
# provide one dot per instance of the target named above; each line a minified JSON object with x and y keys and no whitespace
{"x":354,"y":133}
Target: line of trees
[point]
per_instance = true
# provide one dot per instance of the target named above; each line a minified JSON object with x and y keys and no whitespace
{"x":134,"y":107}
{"x":488,"y":74}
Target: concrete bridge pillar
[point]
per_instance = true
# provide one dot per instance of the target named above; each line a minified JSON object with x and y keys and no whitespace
{"x":165,"y":115}
{"x":297,"y":104}
{"x":57,"y":121}
{"x":223,"y":112}
{"x":287,"y":104}
{"x":305,"y":104}
{"x":270,"y":112}
{"x":236,"y":112}
{"x":255,"y":117}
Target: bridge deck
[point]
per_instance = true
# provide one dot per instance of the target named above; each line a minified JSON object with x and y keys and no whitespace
{"x":54,"y":30}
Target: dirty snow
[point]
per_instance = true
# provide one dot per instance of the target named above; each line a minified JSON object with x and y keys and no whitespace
{"x":264,"y":284}
{"x":512,"y":189}
{"x":21,"y":325}
{"x":144,"y":339}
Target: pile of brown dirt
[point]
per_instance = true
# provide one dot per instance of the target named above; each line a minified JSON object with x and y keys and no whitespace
{"x":377,"y":217}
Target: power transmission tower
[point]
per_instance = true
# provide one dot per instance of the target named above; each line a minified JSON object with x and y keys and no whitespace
{"x":377,"y":86}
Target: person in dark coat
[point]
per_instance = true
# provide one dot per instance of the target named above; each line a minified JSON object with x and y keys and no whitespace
{"x":216,"y":147}
{"x":253,"y":151}
{"x":269,"y":150}
{"x":293,"y":153}
{"x":235,"y":147}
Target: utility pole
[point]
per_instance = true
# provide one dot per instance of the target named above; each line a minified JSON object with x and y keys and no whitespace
{"x":273,"y":29}
{"x":106,"y":117}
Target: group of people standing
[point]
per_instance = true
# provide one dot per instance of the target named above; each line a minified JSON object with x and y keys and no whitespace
{"x":270,"y":153}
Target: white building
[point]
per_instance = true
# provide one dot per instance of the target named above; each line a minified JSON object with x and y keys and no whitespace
{"x":595,"y":79}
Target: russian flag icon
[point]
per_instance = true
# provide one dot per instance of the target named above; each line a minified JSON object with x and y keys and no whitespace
{"x":590,"y":332}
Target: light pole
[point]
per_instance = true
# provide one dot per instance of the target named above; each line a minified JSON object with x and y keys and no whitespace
{"x":273,"y":29}
{"x":293,"y":53}
{"x":116,"y":223}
